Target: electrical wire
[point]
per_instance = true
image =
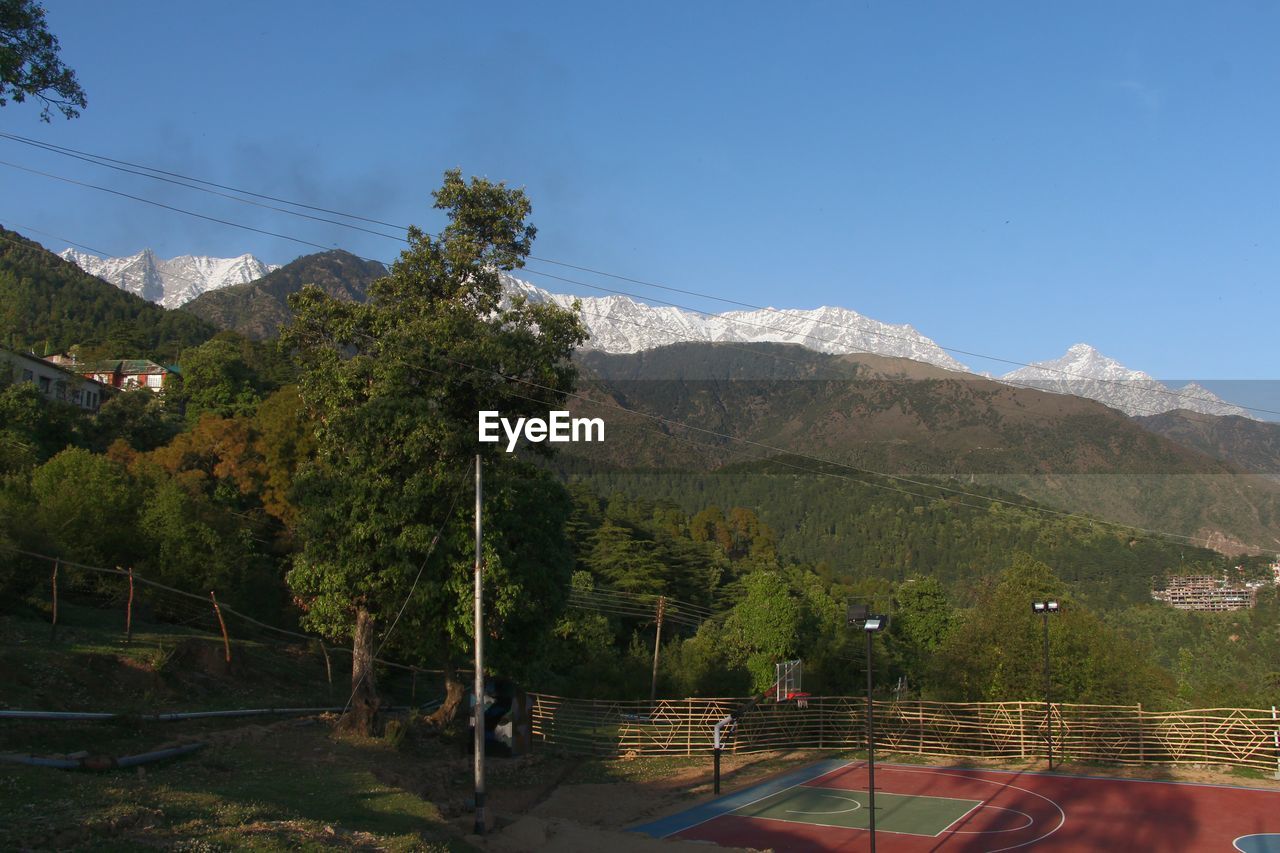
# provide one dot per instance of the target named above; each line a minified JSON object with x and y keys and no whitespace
{"x":115,"y":163}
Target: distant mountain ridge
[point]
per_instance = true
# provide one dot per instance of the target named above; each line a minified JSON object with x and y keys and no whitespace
{"x":173,"y":282}
{"x":620,"y":325}
{"x":904,"y":418}
{"x":1085,"y":372}
{"x":257,"y":309}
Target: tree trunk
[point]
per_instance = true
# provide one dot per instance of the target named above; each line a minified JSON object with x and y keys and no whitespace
{"x":454,"y":693}
{"x":363,"y":712}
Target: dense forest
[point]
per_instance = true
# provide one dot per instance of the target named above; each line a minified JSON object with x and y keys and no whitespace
{"x":202,"y":500}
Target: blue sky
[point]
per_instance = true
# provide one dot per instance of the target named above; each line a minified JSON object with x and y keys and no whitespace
{"x":1009,"y":178}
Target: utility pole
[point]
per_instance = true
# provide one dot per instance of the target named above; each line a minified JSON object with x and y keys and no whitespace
{"x":479,"y":635}
{"x":657,"y":643}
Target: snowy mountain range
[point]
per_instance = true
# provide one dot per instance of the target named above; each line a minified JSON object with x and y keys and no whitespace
{"x":620,"y":324}
{"x":1085,"y":372}
{"x":172,"y":282}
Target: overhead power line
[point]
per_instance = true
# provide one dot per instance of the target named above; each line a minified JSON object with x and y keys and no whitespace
{"x":110,"y":162}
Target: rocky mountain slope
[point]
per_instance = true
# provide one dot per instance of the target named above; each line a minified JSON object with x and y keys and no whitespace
{"x":258,"y":309}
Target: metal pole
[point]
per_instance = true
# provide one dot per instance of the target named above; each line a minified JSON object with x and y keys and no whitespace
{"x":871,"y":749}
{"x":479,"y":680}
{"x":1048,"y":701}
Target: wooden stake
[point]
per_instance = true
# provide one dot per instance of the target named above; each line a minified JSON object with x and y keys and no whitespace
{"x":328,"y":670}
{"x":53,"y":628}
{"x":226,"y":641}
{"x":128,"y":611}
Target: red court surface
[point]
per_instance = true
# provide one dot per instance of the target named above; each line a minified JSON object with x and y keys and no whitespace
{"x":1010,"y":811}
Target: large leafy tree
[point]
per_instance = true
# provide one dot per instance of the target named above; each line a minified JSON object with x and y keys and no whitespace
{"x":394,"y":386}
{"x":29,"y":62}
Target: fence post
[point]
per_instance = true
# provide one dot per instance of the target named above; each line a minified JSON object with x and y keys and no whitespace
{"x":128,"y":611}
{"x":226,"y":641}
{"x":1142,"y":742}
{"x":822,"y":723}
{"x":595,"y":727}
{"x":53,"y":627}
{"x":688,"y":727}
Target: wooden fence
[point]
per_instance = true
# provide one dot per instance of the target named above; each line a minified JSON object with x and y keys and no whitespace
{"x":1124,"y":734}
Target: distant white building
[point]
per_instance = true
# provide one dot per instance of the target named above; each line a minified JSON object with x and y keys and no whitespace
{"x":54,"y":382}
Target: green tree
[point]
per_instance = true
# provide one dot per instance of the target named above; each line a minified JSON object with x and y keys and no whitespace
{"x":33,"y":428}
{"x":996,"y":651}
{"x":217,"y":379}
{"x":923,"y":618}
{"x":394,"y":386}
{"x":138,"y":417}
{"x":86,"y":505}
{"x":29,"y":62}
{"x":765,"y":627}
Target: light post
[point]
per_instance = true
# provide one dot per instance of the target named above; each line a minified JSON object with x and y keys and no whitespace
{"x":1044,"y":608}
{"x":860,"y":617}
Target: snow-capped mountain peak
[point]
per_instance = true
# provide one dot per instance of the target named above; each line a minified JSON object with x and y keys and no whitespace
{"x":172,"y":282}
{"x":1085,"y":372}
{"x":620,"y":324}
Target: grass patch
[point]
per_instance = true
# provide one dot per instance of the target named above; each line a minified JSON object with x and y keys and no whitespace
{"x":287,"y":789}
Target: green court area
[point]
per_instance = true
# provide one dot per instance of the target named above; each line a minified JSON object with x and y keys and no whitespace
{"x":841,"y":807}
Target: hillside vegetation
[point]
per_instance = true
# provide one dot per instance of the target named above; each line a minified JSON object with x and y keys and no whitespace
{"x":258,"y":309}
{"x":899,"y":417}
{"x":48,"y":304}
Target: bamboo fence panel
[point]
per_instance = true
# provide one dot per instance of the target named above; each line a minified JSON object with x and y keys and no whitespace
{"x":1124,"y":734}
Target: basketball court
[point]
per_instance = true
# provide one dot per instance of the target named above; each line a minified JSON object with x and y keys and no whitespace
{"x":826,"y":807}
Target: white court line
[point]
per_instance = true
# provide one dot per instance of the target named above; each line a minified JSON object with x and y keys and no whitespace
{"x":750,"y":803}
{"x":856,"y":805}
{"x":1062,"y":814}
{"x":1030,"y":822}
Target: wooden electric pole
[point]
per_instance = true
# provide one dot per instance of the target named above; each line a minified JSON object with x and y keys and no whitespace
{"x":657,"y":644}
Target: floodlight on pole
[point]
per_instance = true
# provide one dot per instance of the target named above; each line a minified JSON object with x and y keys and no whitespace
{"x":859,"y":616}
{"x":1044,"y":608}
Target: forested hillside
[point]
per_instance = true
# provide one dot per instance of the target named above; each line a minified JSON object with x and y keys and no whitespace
{"x":900,"y":417}
{"x":47,"y":303}
{"x":860,"y":528}
{"x":258,"y":309}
